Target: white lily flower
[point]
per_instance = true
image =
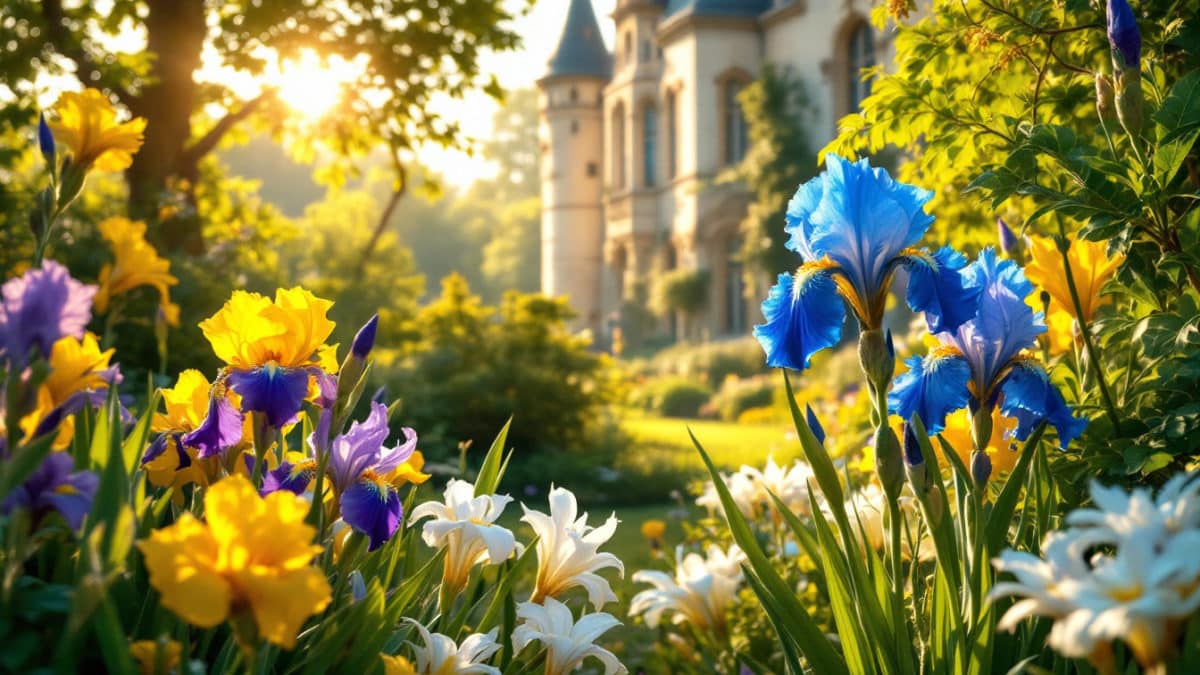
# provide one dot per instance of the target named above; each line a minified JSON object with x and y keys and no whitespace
{"x":1139,"y":589}
{"x":568,"y":550}
{"x":744,"y":489}
{"x":440,"y":655}
{"x":866,"y":507}
{"x":790,"y":484}
{"x":465,"y":526}
{"x":701,"y":592}
{"x":567,"y":642}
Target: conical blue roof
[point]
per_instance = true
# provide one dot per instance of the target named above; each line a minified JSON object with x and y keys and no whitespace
{"x":717,"y":7}
{"x":581,"y":50}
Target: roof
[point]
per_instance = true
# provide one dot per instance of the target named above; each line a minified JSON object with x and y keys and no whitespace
{"x":717,"y":7}
{"x":581,"y":51}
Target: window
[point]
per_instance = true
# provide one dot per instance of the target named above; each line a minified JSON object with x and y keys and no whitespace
{"x":620,"y":265}
{"x":618,"y":146}
{"x":644,"y":51}
{"x":649,"y":145}
{"x":574,"y":94}
{"x":672,"y":135}
{"x":735,"y":289}
{"x":860,"y":56}
{"x":592,"y":169}
{"x":734,"y":123}
{"x":628,"y":47}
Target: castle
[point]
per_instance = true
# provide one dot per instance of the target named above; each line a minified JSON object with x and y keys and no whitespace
{"x":631,"y":141}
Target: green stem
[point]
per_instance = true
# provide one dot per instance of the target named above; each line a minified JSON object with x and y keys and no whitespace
{"x":262,"y":430}
{"x":1088,"y":343}
{"x":896,"y":548}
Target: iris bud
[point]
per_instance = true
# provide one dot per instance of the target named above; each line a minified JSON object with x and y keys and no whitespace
{"x":1129,"y":102}
{"x":888,"y":464}
{"x":814,"y":424}
{"x":877,"y":357}
{"x":1008,"y":240}
{"x":364,"y":340}
{"x":914,"y":460}
{"x":1123,"y":35}
{"x":1106,"y":106}
{"x":46,"y":141}
{"x":981,"y":469}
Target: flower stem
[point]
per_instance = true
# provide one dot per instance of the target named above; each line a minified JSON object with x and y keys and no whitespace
{"x":1088,"y":343}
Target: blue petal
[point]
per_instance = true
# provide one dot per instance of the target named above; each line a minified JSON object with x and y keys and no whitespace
{"x":933,"y":387}
{"x":75,"y":503}
{"x":804,"y":315}
{"x":220,"y":430}
{"x":1004,"y":324}
{"x":1123,"y":33}
{"x":372,"y":508}
{"x":814,"y":424}
{"x":276,"y":392}
{"x":937,"y":288}
{"x":1029,"y":397}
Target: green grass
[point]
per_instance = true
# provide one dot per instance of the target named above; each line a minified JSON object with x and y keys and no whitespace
{"x":663,"y":443}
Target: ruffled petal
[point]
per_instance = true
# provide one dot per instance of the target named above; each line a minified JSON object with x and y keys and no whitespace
{"x":291,"y":477}
{"x":220,"y":430}
{"x":933,"y":387}
{"x":373,"y":509}
{"x":277,"y":392}
{"x":804,"y":315}
{"x":1029,"y":397}
{"x":937,"y":289}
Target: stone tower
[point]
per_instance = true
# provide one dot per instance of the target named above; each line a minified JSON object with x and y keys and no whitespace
{"x":572,"y":150}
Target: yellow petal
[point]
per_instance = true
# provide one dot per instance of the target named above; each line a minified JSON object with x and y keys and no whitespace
{"x":397,"y":665}
{"x":181,"y":562}
{"x":282,"y":601}
{"x":147,"y":654}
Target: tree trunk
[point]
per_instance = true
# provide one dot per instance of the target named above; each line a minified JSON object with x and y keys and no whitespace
{"x":175,"y":35}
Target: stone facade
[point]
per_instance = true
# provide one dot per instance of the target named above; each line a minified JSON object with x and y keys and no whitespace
{"x":632,"y":142}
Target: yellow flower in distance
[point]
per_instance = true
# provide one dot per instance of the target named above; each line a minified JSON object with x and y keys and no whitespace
{"x":654,"y":529}
{"x":1000,"y":450}
{"x":252,"y":555}
{"x":87,"y":124}
{"x":136,"y":264}
{"x":1090,"y":268}
{"x":397,"y":665}
{"x":149,"y":654}
{"x":76,"y":367}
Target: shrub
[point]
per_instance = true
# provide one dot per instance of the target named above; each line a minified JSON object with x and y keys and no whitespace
{"x":736,"y":396}
{"x":673,"y":397}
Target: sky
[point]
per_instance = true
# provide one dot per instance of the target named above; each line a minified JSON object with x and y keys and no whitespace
{"x":540,"y":30}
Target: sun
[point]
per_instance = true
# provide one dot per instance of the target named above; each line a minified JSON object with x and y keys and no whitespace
{"x":310,"y":85}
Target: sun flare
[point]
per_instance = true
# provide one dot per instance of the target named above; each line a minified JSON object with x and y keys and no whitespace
{"x":311,"y":85}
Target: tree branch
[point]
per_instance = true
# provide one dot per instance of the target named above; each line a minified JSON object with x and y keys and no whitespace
{"x":208,"y":142}
{"x":384,"y":218}
{"x":87,"y":70}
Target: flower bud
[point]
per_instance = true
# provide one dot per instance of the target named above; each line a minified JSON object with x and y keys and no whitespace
{"x":46,"y":140}
{"x":981,"y":427}
{"x":877,"y":357}
{"x":981,"y":469}
{"x":358,"y":587}
{"x":1008,"y":240}
{"x":914,"y":460}
{"x":364,"y":340}
{"x":1106,"y":106}
{"x":888,"y":464}
{"x":1123,"y":36}
{"x":814,"y":424}
{"x":1129,"y":102}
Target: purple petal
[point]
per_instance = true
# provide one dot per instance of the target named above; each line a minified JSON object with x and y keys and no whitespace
{"x":364,"y":340}
{"x":220,"y":430}
{"x":276,"y":392}
{"x":41,"y":306}
{"x":359,"y":448}
{"x":291,"y":477}
{"x":373,"y":509}
{"x":74,"y":503}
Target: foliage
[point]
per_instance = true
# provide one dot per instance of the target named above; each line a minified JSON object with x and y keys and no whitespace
{"x":469,"y":366}
{"x":410,"y":52}
{"x":673,"y":397}
{"x":710,"y":362}
{"x":775,"y":106}
{"x":736,"y":396}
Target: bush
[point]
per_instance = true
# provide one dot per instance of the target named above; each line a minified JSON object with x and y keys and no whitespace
{"x":711,"y":363}
{"x":673,"y":397}
{"x":736,"y":396}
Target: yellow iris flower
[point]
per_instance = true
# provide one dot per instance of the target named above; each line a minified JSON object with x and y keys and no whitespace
{"x":251,"y":330}
{"x":137,"y":264}
{"x":999,"y":449}
{"x":1091,"y":267}
{"x":87,"y":124}
{"x":75,"y":366}
{"x":253,"y":555}
{"x":147,"y":654}
{"x":409,"y":471}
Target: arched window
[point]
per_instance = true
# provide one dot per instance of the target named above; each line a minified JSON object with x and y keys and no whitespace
{"x":620,"y":267}
{"x":672,"y":135}
{"x":628,"y":47}
{"x":649,"y":145}
{"x":618,"y":146}
{"x":734,"y":122}
{"x":860,"y":55}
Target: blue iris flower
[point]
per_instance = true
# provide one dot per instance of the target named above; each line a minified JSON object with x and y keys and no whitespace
{"x":854,"y":227}
{"x":1123,"y":33}
{"x":983,"y":362}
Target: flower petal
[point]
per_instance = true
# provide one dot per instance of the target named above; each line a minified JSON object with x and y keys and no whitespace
{"x":1030,"y":397}
{"x":803,"y":315}
{"x":220,"y":430}
{"x":933,"y":387}
{"x":277,"y":392}
{"x":373,"y":509}
{"x":937,"y":289}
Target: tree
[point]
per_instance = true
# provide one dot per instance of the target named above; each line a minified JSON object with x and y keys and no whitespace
{"x":414,"y":50}
{"x":777,"y":162}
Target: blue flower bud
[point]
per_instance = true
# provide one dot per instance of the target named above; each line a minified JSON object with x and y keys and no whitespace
{"x":1123,"y":35}
{"x":358,"y":587}
{"x":1008,"y":240}
{"x":912,"y":448}
{"x":814,"y":424}
{"x":364,"y":340}
{"x":46,"y":140}
{"x":981,"y":469}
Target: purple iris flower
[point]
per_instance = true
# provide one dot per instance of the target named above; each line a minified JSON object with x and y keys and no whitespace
{"x":41,"y":306}
{"x":220,"y":430}
{"x":1123,"y":34}
{"x":358,"y":468}
{"x":46,"y":140}
{"x":276,"y":392}
{"x":53,"y":487}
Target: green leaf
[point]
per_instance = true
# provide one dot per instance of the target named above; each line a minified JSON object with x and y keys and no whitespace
{"x":1006,"y":503}
{"x":135,"y":443}
{"x":490,"y":473}
{"x":1179,"y":113}
{"x":800,"y":626}
{"x":504,"y":587}
{"x":23,"y":462}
